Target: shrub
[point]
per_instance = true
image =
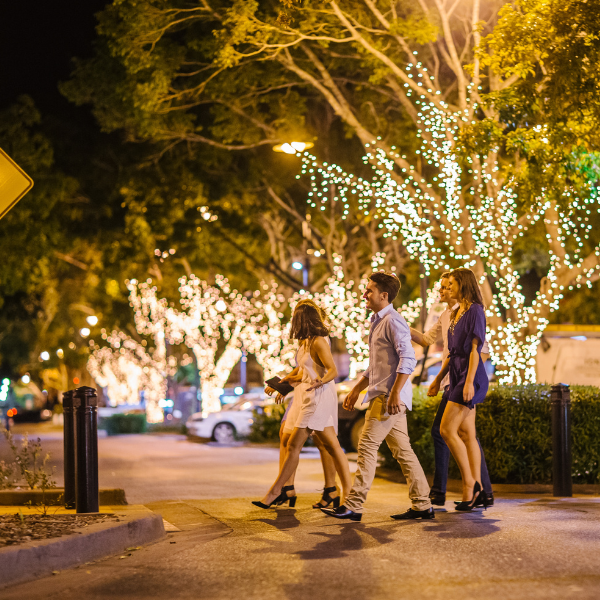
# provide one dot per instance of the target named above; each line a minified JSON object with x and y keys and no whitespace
{"x":29,"y":466}
{"x":267,"y":422}
{"x":514,"y":427}
{"x":122,"y":423}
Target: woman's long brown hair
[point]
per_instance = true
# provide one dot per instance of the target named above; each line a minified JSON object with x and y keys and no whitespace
{"x":309,"y":321}
{"x":468,"y":286}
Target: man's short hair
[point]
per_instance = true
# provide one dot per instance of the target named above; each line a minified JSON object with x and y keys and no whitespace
{"x":386,"y":282}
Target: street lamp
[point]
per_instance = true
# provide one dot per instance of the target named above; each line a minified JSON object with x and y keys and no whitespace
{"x":293,"y":147}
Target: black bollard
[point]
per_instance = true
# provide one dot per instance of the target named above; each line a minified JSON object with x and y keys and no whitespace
{"x":562,"y":481}
{"x":85,"y":402}
{"x":69,"y":449}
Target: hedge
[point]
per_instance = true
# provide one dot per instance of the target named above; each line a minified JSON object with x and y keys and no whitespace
{"x":267,"y":422}
{"x":124,"y":423}
{"x":514,"y":427}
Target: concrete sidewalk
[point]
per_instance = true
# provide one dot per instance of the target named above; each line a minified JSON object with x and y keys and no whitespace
{"x":531,"y":548}
{"x":136,"y":525}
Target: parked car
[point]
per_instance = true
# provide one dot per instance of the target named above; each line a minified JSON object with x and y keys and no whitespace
{"x":233,"y":421}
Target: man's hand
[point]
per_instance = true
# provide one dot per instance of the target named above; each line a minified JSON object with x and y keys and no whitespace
{"x":468,"y":391}
{"x":394,"y":404}
{"x":434,"y":388}
{"x":351,"y":400}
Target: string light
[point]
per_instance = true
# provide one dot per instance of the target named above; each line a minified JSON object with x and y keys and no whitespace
{"x":464,"y":214}
{"x":217,"y":323}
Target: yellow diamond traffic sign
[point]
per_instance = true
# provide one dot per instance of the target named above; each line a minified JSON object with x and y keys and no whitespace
{"x":14,"y":183}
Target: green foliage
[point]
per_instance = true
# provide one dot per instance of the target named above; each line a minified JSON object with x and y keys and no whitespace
{"x":124,"y":423}
{"x":267,"y":422}
{"x":549,"y":51}
{"x":514,"y":427}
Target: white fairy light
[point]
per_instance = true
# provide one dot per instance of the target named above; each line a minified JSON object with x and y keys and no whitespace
{"x":463,"y":214}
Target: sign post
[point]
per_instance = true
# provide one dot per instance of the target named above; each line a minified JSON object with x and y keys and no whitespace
{"x":14,"y":183}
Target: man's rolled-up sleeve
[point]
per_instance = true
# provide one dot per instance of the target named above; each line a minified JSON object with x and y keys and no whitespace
{"x":400,"y":333}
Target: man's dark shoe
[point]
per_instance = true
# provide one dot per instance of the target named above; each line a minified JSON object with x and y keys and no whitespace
{"x":411,"y":514}
{"x":437,"y":499}
{"x":342,"y":513}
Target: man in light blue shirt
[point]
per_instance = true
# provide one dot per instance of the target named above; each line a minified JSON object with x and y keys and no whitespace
{"x":389,"y":394}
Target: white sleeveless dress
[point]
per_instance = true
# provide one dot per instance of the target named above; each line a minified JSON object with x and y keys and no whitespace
{"x":318,"y":408}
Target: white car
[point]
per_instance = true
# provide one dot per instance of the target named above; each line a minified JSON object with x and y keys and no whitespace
{"x":231,"y":422}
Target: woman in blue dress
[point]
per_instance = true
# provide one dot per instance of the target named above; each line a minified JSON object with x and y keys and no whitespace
{"x":468,"y":382}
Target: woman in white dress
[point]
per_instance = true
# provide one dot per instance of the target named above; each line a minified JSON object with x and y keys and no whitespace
{"x":315,"y":404}
{"x":330,"y":492}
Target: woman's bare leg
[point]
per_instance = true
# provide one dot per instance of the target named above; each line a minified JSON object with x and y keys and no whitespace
{"x":284,"y":438}
{"x":332,"y":445}
{"x":468,"y":435}
{"x":326,"y":461}
{"x":295,"y":444}
{"x":453,"y":417}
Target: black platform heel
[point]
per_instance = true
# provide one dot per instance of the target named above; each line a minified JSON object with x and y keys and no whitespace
{"x":326,"y":497}
{"x":283,"y":497}
{"x":467,"y":505}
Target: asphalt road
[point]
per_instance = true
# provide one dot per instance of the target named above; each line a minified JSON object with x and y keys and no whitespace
{"x":522,"y":548}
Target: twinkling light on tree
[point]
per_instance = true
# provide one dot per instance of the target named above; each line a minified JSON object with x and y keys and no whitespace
{"x":210,"y":324}
{"x":127,"y":369}
{"x":348,"y":314}
{"x":444,"y":225}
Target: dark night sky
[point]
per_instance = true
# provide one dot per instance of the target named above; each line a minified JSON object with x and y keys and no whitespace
{"x":38,"y":38}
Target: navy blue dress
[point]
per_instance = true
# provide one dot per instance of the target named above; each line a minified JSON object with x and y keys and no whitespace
{"x":471,"y":325}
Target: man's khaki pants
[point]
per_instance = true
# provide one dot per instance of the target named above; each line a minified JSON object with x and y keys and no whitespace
{"x":393,"y":430}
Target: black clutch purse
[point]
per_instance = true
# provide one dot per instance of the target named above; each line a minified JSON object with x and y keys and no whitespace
{"x":284,"y":388}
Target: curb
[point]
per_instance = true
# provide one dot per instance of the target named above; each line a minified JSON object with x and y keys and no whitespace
{"x":455,"y":485}
{"x":39,"y":559}
{"x":107,"y":497}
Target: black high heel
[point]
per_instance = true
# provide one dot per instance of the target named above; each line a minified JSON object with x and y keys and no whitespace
{"x":467,"y":505}
{"x":283,"y":497}
{"x":326,"y":497}
{"x":272,"y":505}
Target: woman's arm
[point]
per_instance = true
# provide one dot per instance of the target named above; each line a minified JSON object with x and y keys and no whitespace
{"x":293,"y":376}
{"x":417,"y":337}
{"x":323,"y":353}
{"x":469,"y":388}
{"x":434,"y":388}
{"x":431,"y":336}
